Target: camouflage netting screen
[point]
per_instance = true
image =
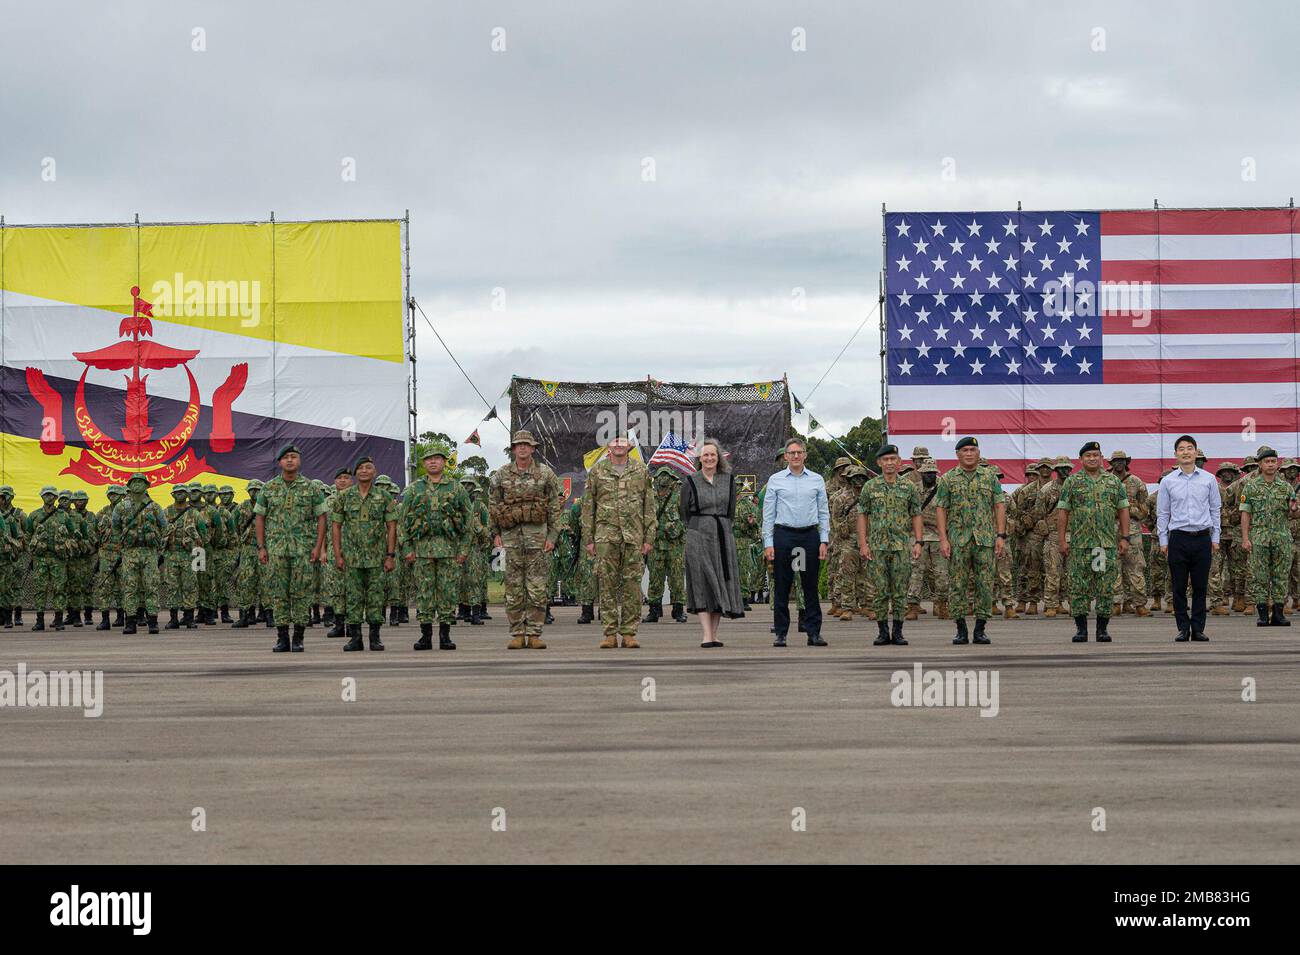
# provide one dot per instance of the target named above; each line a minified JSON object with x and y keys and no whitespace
{"x":573,"y":420}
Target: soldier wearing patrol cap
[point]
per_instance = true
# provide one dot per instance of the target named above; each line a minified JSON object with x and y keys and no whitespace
{"x":248,"y":569}
{"x":1095,"y":508}
{"x":1131,"y":595}
{"x":140,"y":525}
{"x":16,"y":518}
{"x":289,"y":525}
{"x":1054,"y":595}
{"x":1266,"y":505}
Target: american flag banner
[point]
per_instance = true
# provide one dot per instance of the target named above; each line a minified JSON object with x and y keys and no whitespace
{"x":1037,"y":331}
{"x":675,"y":453}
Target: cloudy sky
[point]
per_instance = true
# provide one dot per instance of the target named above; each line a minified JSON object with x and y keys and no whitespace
{"x":752,"y":251}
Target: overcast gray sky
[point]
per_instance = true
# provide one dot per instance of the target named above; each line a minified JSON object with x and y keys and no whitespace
{"x":523,"y":168}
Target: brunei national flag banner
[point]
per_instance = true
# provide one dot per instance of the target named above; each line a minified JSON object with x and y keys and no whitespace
{"x":194,"y":352}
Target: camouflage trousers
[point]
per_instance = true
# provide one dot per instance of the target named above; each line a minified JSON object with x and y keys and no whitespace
{"x":890,"y":570}
{"x":1234,"y":568}
{"x":526,"y":570}
{"x":668,"y":562}
{"x":222,"y":586}
{"x":203,"y":579}
{"x":108,"y":584}
{"x":317,"y":581}
{"x":584,"y":579}
{"x":930,"y":565}
{"x":1092,"y":573}
{"x":1003,"y":577}
{"x":618,"y":568}
{"x":286,"y":582}
{"x":334,"y":586}
{"x":848,"y":571}
{"x":1032,"y":557}
{"x":50,"y":577}
{"x":140,"y":579}
{"x":363,"y":594}
{"x":1270,"y":566}
{"x":474,"y":577}
{"x":749,"y":556}
{"x":178,"y":587}
{"x":1132,"y":586}
{"x":1157,"y":570}
{"x":8,"y":578}
{"x":970,"y":580}
{"x":1219,"y":591}
{"x":1020,"y":566}
{"x":1054,"y":593}
{"x":81,"y":577}
{"x":436,"y":582}
{"x":248,"y":579}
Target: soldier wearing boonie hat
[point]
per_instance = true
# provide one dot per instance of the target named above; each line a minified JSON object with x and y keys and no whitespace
{"x":1054,"y":593}
{"x":1131,"y":596}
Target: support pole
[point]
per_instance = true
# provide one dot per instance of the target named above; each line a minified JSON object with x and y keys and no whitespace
{"x":412,"y":408}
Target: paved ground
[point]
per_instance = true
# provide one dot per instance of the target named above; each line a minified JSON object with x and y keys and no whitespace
{"x":1153,"y":732}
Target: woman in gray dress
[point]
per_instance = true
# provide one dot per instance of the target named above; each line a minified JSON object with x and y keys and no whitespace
{"x":712,"y":572}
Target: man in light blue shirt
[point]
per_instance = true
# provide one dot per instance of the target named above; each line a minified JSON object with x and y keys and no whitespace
{"x":796,"y":531}
{"x":1187,"y":523}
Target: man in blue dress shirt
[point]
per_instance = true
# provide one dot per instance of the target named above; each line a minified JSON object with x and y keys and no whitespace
{"x":1187,"y":522}
{"x":796,"y":530}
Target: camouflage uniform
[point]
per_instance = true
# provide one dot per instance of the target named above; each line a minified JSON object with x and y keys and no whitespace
{"x":1054,"y":594}
{"x":11,"y":545}
{"x":889,"y":507}
{"x":81,"y":566}
{"x":18,"y":567}
{"x":668,"y":556}
{"x":525,"y":508}
{"x":1268,"y":502}
{"x":618,"y":516}
{"x":474,"y":572}
{"x":584,"y":577}
{"x":49,"y":537}
{"x":1130,"y":594}
{"x":1290,"y":469}
{"x":182,"y":545}
{"x":363,"y":521}
{"x":1220,"y":588}
{"x":436,"y":525}
{"x":1158,"y":574}
{"x":1004,"y":576}
{"x":139,"y":524}
{"x":108,"y":582}
{"x":748,"y":528}
{"x":1092,"y":505}
{"x":842,"y":552}
{"x":1028,"y":583}
{"x":227,"y":552}
{"x":290,"y":510}
{"x":248,"y":576}
{"x":931,"y":563}
{"x":1238,"y":563}
{"x":969,"y":500}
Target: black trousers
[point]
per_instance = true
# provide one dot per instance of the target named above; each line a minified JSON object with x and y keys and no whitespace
{"x":1189,"y":556}
{"x":787,"y":545}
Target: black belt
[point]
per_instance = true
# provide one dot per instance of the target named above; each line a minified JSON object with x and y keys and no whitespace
{"x":1200,"y":533}
{"x":798,"y":530}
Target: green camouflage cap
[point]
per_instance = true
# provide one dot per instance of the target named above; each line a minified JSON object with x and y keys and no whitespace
{"x":1286,"y":464}
{"x":1226,"y":466}
{"x":1249,"y":462}
{"x":780,"y":456}
{"x":209,"y":489}
{"x":195,"y":487}
{"x":225,"y":489}
{"x":841,"y":462}
{"x":469,"y":481}
{"x":65,"y":495}
{"x":665,"y":472}
{"x":519,"y":437}
{"x":137,"y":477}
{"x":439,"y":448}
{"x":180,"y":489}
{"x":928,"y":466}
{"x":1115,"y":455}
{"x":6,"y":490}
{"x":116,"y":490}
{"x":1061,"y":461}
{"x":1043,"y":463}
{"x":907,"y":467}
{"x":80,"y":496}
{"x":255,"y":485}
{"x":51,"y":489}
{"x":920,"y":451}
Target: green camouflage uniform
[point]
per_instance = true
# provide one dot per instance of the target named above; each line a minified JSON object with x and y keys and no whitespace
{"x":668,"y":556}
{"x":18,"y":567}
{"x":11,"y":545}
{"x":435,"y":527}
{"x":1093,"y":505}
{"x":290,"y":510}
{"x":1220,"y":591}
{"x":363,"y":521}
{"x":618,"y":515}
{"x":889,"y":508}
{"x":49,"y":537}
{"x":228,"y":551}
{"x":1028,"y":551}
{"x":1269,"y":505}
{"x":248,"y":577}
{"x":525,"y":507}
{"x":1132,"y":584}
{"x":842,"y":549}
{"x":108,"y":583}
{"x":1292,"y":469}
{"x":474,"y":572}
{"x":182,"y":545}
{"x":140,"y":525}
{"x":81,"y":566}
{"x":931,"y":563}
{"x":584,"y":576}
{"x":748,"y":530}
{"x":969,"y":499}
{"x":1054,"y":593}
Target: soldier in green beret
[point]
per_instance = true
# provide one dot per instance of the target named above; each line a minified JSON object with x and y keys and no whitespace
{"x":290,"y":529}
{"x":889,"y":539}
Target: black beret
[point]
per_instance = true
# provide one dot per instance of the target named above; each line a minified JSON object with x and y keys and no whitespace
{"x":290,"y":448}
{"x":886,"y":449}
{"x":1089,"y":446}
{"x":967,"y":442}
{"x":340,"y":471}
{"x":364,"y":459}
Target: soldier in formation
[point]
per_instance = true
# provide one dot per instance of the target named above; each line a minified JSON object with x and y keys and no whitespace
{"x":889,"y":541}
{"x":972,"y":535}
{"x":667,"y":558}
{"x":290,"y":530}
{"x":435,"y":520}
{"x":1092,"y":534}
{"x":363,"y":536}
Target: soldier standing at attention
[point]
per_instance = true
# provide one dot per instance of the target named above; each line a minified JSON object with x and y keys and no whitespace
{"x":668,"y":557}
{"x":972,"y":519}
{"x":1290,"y":470}
{"x":1054,"y":594}
{"x":49,"y":534}
{"x":1132,"y":562}
{"x":140,"y":525}
{"x":931,"y":563}
{"x":180,"y":582}
{"x":106,"y":591}
{"x":248,"y":576}
{"x":435,"y":522}
{"x":473,"y":576}
{"x":618,"y":524}
{"x":11,"y":612}
{"x":842,"y":500}
{"x":1220,"y":588}
{"x":525,"y":503}
{"x":889,"y":540}
{"x":333,"y":583}
{"x":1028,"y":545}
{"x":1004,"y":574}
{"x":1266,"y":504}
{"x":584,"y":580}
{"x":1238,"y":562}
{"x":1090,"y":503}
{"x":81,"y":568}
{"x":749,"y":535}
{"x":363,"y":533}
{"x":290,"y":529}
{"x":228,"y":550}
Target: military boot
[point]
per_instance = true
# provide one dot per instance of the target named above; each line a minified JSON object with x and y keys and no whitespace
{"x":1238,"y":604}
{"x":354,"y":638}
{"x":587,"y":615}
{"x":1279,"y":618}
{"x":39,"y":625}
{"x":340,"y":626}
{"x":242,"y":623}
{"x":484,"y":615}
{"x":898,"y":634}
{"x":328,"y":618}
{"x":128,"y":628}
{"x":913,"y":611}
{"x":962,"y":636}
{"x":270,"y":620}
{"x":549,"y":619}
{"x":119,"y":619}
{"x":979,"y":636}
{"x":629,"y":642}
{"x":444,"y":637}
{"x":462,"y":611}
{"x":1103,"y":635}
{"x":536,"y":643}
{"x":225,"y":614}
{"x":392,"y":615}
{"x":375,"y":642}
{"x":1080,"y":629}
{"x":475,"y":618}
{"x":103,"y":621}
{"x":426,"y":637}
{"x":679,"y":613}
{"x":153,"y":622}
{"x":403,"y":614}
{"x":6,"y":617}
{"x":172,"y":623}
{"x":801,"y":627}
{"x":1262,"y":610}
{"x":298,"y":632}
{"x":18,"y":616}
{"x":517,"y":642}
{"x":882,"y":638}
{"x":1140,"y":609}
{"x":58,"y":620}
{"x":188,"y":620}
{"x":652,"y":616}
{"x":315,"y":615}
{"x":941,"y":610}
{"x":1009,"y":611}
{"x":74,"y":617}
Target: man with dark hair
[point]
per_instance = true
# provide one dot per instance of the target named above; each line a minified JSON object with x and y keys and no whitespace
{"x":1187,"y":520}
{"x":1092,"y":504}
{"x":972,"y":519}
{"x":1266,"y":504}
{"x":796,"y":535}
